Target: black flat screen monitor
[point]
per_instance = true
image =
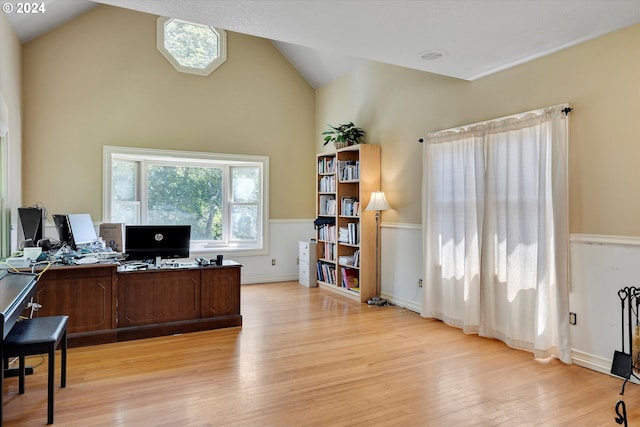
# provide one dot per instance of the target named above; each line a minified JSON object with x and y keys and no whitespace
{"x":62,"y":225}
{"x":32,"y":221}
{"x":147,"y":242}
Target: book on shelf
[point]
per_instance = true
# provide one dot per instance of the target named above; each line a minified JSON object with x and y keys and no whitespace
{"x":350,"y":260}
{"x":327,"y":273}
{"x":343,"y":235}
{"x":349,"y":206}
{"x":326,"y":165}
{"x":327,"y":184}
{"x":345,"y":259}
{"x":330,"y":250}
{"x":349,"y":170}
{"x":350,"y":278}
{"x":354,"y":233}
{"x":349,"y":234}
{"x":327,"y":204}
{"x":327,"y":233}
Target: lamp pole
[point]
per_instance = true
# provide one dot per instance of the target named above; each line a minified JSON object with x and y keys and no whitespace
{"x":377,"y":203}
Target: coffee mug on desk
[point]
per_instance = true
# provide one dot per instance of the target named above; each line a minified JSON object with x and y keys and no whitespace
{"x":219,"y":259}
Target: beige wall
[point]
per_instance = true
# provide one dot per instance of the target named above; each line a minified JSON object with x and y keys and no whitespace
{"x":11,"y":111}
{"x":99,"y":80}
{"x":600,"y":78}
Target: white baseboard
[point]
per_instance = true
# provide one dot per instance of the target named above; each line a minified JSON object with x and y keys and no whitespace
{"x":400,"y":302}
{"x":268,"y":279}
{"x":590,"y":361}
{"x":596,"y":363}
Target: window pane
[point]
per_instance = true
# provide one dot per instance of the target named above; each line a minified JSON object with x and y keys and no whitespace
{"x":127,"y":212}
{"x":246,"y":184}
{"x":186,"y":195}
{"x":191,"y":45}
{"x":244,"y":219}
{"x":124,"y":178}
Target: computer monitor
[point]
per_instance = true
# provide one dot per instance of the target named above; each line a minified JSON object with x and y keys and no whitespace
{"x":149,"y":242}
{"x":62,"y":225}
{"x":32,"y":223}
{"x":83,"y":233}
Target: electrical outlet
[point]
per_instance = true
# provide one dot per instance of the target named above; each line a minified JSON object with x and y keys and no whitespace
{"x":273,"y":261}
{"x":572,"y":319}
{"x":419,"y":283}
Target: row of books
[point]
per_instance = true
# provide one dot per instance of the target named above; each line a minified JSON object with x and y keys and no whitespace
{"x":327,"y":273}
{"x":349,"y":234}
{"x":349,"y":207}
{"x":326,"y":165}
{"x":349,"y":170}
{"x":350,"y":260}
{"x":350,"y":279}
{"x":329,"y":251}
{"x":327,"y":204}
{"x":327,"y":184}
{"x":327,"y":233}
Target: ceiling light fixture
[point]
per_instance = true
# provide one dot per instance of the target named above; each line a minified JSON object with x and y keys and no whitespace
{"x":433,"y":54}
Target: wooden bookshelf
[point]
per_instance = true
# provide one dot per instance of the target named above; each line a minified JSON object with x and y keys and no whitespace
{"x":345,"y":181}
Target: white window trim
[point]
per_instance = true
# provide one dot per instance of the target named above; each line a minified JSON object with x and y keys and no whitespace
{"x":152,"y":153}
{"x":222,"y":49}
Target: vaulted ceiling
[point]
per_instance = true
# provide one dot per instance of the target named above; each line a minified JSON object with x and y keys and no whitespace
{"x":323,"y":39}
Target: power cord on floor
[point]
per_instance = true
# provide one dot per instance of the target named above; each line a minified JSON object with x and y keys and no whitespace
{"x":13,"y":363}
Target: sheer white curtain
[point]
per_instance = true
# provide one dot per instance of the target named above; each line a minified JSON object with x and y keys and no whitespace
{"x":453,"y":221}
{"x":496,"y":234}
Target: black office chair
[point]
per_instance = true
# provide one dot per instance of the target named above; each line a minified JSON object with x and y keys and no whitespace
{"x":38,"y":336}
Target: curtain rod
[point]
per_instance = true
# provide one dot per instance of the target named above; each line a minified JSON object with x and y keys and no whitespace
{"x":565,"y":110}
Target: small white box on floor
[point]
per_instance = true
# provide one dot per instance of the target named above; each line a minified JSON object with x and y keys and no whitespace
{"x":307,"y":264}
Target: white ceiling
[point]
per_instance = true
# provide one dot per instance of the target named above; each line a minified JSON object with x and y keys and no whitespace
{"x":324,"y":39}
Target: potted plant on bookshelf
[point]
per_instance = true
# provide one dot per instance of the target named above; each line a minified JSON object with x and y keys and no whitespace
{"x":344,"y":135}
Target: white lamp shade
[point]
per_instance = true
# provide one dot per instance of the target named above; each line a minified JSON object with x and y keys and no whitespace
{"x":378,"y":202}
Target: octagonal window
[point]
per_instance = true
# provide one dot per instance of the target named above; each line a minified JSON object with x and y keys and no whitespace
{"x":190,"y":47}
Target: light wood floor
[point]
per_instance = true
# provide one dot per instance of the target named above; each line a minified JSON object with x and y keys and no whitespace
{"x":305,"y":357}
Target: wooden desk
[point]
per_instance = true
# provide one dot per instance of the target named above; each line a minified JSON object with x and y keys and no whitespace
{"x":15,"y":292}
{"x":105,"y":305}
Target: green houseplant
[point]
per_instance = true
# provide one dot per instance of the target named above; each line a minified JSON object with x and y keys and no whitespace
{"x":344,"y":135}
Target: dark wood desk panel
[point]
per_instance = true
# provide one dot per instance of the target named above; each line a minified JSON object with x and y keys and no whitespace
{"x":220,"y":292}
{"x":85,"y":294}
{"x":150,"y":297}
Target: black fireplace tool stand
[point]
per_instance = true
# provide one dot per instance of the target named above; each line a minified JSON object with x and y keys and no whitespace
{"x":623,"y":361}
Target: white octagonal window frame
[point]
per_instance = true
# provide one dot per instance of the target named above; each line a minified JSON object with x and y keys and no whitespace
{"x":205,"y":71}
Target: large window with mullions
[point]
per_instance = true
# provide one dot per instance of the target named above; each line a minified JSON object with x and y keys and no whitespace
{"x":223,"y":197}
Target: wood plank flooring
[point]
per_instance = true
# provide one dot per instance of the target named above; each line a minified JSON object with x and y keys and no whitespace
{"x":305,"y":357}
